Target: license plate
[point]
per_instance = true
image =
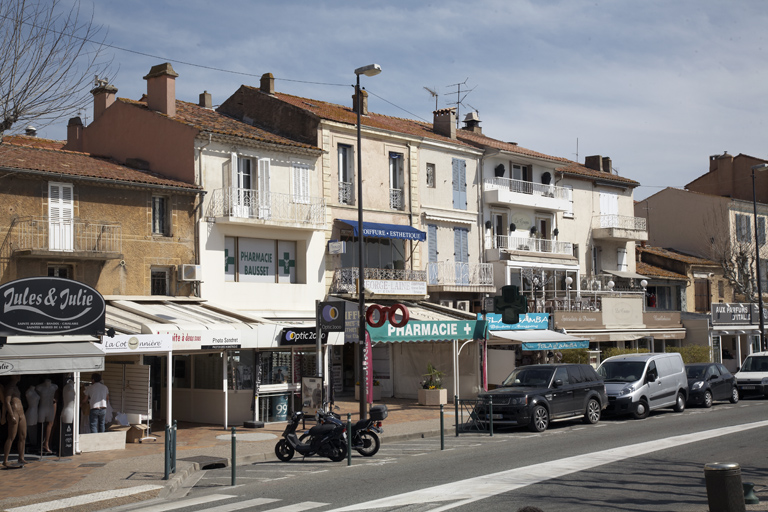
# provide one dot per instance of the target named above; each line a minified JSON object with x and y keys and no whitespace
{"x":747,"y":387}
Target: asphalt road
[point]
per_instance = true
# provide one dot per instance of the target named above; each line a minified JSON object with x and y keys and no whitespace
{"x":619,"y":464}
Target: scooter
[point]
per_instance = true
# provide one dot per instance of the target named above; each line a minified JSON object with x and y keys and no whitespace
{"x":326,"y":440}
{"x":365,"y":433}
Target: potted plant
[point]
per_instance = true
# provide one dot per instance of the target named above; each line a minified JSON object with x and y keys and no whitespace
{"x":432,"y":391}
{"x":376,"y":390}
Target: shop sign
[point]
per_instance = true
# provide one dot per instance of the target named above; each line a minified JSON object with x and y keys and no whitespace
{"x":528,"y":322}
{"x":381,"y":287}
{"x":330,"y":316}
{"x":556,"y":345}
{"x":352,"y":325}
{"x":5,"y":367}
{"x":579,"y":320}
{"x":137,"y":343}
{"x":735,"y":314}
{"x":204,"y":340}
{"x":50,"y":305}
{"x":429,"y":331}
{"x":301,"y":336}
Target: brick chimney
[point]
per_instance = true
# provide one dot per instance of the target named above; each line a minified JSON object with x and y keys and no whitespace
{"x":268,"y":83}
{"x":594,"y":162}
{"x":364,"y":96}
{"x":445,"y":122}
{"x":75,"y":134}
{"x":205,"y":100}
{"x":103,"y":97}
{"x":161,"y":89}
{"x":607,"y":165}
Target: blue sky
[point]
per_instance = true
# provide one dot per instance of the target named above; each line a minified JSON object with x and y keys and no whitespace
{"x":658,"y":86}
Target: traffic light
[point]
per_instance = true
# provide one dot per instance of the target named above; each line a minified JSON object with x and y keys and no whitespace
{"x":510,"y":304}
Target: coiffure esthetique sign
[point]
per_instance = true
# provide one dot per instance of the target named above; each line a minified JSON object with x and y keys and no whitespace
{"x":50,"y":305}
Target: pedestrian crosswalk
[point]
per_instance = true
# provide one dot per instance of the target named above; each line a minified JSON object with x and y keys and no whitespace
{"x":214,"y":505}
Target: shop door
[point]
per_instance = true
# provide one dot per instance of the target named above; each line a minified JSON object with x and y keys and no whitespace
{"x":381,"y":369}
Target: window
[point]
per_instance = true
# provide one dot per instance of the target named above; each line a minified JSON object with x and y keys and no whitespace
{"x":569,"y":195}
{"x":562,"y":374}
{"x":430,"y":175}
{"x":208,"y":371}
{"x":160,"y":216}
{"x":396,"y":181}
{"x":159,"y":282}
{"x":60,"y":216}
{"x":721,"y":289}
{"x":459,"y":179}
{"x":63,"y":271}
{"x":254,"y":260}
{"x":346,"y":175}
{"x":761,"y":230}
{"x":301,"y":183}
{"x":743,"y":233}
{"x":621,"y":259}
{"x":702,"y":295}
{"x":379,"y":252}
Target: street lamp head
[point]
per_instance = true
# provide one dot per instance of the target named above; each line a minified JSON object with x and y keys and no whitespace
{"x":569,"y":280}
{"x":759,"y":167}
{"x":369,"y":70}
{"x":644,"y":283}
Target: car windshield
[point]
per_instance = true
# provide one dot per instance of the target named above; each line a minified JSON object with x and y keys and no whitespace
{"x":695,"y":372}
{"x":755,"y":364}
{"x":530,"y":377}
{"x":621,"y":371}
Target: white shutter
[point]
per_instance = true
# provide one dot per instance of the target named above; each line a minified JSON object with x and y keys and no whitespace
{"x":60,"y":216}
{"x":300,"y":183}
{"x":264,"y":195}
{"x":621,"y":259}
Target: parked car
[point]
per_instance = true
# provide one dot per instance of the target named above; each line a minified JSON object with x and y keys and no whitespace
{"x":640,"y":383}
{"x":752,"y":377}
{"x":533,"y":396}
{"x":708,"y":382}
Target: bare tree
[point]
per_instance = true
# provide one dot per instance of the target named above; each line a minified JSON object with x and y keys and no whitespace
{"x":48,"y":56}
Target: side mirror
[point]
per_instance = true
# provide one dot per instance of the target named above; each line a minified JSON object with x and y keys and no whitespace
{"x":651,"y":377}
{"x":558,"y":383}
{"x":712,"y":377}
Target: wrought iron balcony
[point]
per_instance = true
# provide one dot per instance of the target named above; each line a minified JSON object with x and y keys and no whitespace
{"x":345,"y":279}
{"x":455,"y":273}
{"x":101,"y":239}
{"x":346,"y":191}
{"x":507,"y":191}
{"x":396,"y":199}
{"x":517,"y":243}
{"x":619,"y":227}
{"x":273,"y":207}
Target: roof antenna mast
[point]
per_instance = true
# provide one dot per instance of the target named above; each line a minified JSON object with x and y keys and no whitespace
{"x":460,"y":98}
{"x":434,"y":94}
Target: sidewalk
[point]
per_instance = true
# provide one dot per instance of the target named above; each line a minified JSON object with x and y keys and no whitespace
{"x":142,"y":465}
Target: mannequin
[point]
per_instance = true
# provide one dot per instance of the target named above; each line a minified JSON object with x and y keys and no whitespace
{"x":17,"y":423}
{"x":47,"y":410}
{"x":68,"y":410}
{"x":33,"y":399}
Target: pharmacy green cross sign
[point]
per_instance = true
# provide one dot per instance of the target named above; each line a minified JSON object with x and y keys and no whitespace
{"x":286,"y":263}
{"x":228,"y":260}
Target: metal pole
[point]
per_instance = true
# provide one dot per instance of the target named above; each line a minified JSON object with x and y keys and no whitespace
{"x":349,"y":439}
{"x":234,"y":456}
{"x":442,"y":428}
{"x":173,"y":448}
{"x":167,"y":452}
{"x":490,"y":409}
{"x":757,"y":269}
{"x":456,"y":411}
{"x":360,"y":261}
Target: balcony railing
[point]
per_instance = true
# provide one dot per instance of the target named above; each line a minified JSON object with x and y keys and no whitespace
{"x":526,"y":187}
{"x":454,"y":273}
{"x":41,"y":234}
{"x":619,"y":222}
{"x":275,"y":207}
{"x":345,"y":193}
{"x":345,"y":279}
{"x":517,"y":243}
{"x":396,"y":201}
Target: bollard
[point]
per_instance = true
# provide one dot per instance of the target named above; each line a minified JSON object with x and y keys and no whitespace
{"x":456,"y":410}
{"x":349,"y":439}
{"x":490,"y":415}
{"x":234,"y":456}
{"x":724,"y":490}
{"x":442,"y":428}
{"x":749,"y":494}
{"x":167,"y":452}
{"x":173,"y":448}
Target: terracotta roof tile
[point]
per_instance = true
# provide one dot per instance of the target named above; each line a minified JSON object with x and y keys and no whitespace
{"x":675,"y":255}
{"x":35,"y":142}
{"x":577,"y":169}
{"x":78,"y":165}
{"x":645,"y":269}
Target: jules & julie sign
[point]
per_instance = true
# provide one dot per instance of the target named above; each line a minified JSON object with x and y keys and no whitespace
{"x":50,"y":305}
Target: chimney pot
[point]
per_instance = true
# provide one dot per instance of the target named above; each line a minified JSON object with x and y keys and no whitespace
{"x":445,"y":122}
{"x":594,"y":162}
{"x":103,"y":97}
{"x":75,"y":134}
{"x":161,"y":89}
{"x":268,"y":83}
{"x":607,"y":166}
{"x":205,"y":100}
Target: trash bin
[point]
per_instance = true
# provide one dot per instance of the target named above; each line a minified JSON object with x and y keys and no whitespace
{"x":724,"y":490}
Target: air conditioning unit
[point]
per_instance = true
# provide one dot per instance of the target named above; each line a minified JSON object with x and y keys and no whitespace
{"x":446,"y":303}
{"x":462,"y":305}
{"x":191,"y":273}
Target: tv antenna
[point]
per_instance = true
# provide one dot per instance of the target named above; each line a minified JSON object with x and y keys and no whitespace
{"x":460,"y":98}
{"x":434,"y":94}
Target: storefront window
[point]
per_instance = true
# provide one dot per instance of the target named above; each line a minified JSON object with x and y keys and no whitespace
{"x":241,"y":365}
{"x":182,"y":372}
{"x":275,"y":367}
{"x":208,"y":371}
{"x":304,"y":364}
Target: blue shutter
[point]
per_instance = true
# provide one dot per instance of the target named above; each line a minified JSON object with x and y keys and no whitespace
{"x":461,"y":254}
{"x":456,"y":189}
{"x":432,"y":270}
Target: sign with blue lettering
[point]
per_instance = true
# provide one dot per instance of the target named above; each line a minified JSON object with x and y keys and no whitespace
{"x":530,"y":321}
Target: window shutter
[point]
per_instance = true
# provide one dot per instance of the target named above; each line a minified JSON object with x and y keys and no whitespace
{"x":300,"y":183}
{"x":263,"y":183}
{"x":60,"y":216}
{"x":621,"y":259}
{"x":432,"y":242}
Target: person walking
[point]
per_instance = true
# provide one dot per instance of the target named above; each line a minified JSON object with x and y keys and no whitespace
{"x":98,"y":397}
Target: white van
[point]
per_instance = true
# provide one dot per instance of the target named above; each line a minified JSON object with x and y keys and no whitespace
{"x":640,"y":383}
{"x":752,"y":377}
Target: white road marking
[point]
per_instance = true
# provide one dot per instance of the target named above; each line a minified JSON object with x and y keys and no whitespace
{"x":202,"y":500}
{"x":298,"y":507}
{"x":240,"y":505}
{"x":481,"y":487}
{"x":85,"y":499}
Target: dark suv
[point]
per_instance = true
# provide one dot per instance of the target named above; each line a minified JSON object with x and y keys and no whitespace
{"x":535,"y":395}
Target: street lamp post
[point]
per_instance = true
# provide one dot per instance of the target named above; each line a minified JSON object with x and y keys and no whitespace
{"x":369,"y":70}
{"x":760,"y":167}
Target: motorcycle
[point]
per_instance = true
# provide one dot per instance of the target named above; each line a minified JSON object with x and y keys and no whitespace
{"x":365,"y":433}
{"x":327,"y":440}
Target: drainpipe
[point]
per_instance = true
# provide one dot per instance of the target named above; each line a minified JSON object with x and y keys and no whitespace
{"x":198,"y":210}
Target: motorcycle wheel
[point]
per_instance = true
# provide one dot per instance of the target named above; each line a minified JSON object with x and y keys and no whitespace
{"x":284,"y":450}
{"x":338,"y":451}
{"x":370,"y":444}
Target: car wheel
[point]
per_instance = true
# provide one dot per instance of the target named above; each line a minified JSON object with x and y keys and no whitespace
{"x":593,"y":412}
{"x":735,"y":395}
{"x":539,"y":419}
{"x":641,"y":410}
{"x":680,"y":403}
{"x":707,"y":399}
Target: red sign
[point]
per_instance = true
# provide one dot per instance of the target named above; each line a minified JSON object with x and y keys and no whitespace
{"x":368,"y":367}
{"x":387,"y":312}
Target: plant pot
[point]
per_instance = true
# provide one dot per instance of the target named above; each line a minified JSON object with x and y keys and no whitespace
{"x":433,"y":396}
{"x":376,"y":392}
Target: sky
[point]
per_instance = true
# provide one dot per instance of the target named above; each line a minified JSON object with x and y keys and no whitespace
{"x":657,"y":86}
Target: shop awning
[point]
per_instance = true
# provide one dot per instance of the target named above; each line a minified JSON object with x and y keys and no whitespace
{"x":377,"y":230}
{"x":625,"y":274}
{"x":42,"y":358}
{"x":537,"y":340}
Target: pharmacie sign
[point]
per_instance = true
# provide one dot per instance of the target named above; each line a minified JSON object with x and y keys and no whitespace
{"x":49,"y":306}
{"x":301,"y":336}
{"x":137,"y":343}
{"x":429,"y":331}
